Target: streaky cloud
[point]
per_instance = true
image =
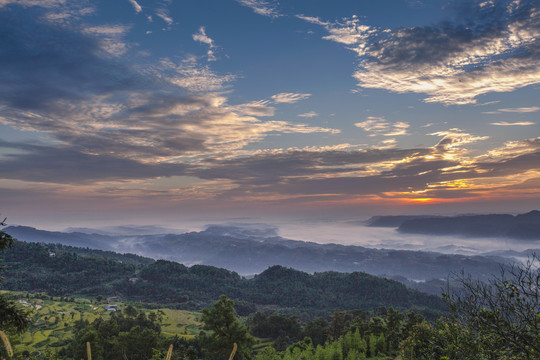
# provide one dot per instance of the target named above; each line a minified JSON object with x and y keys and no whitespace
{"x":135,"y":5}
{"x":517,"y":123}
{"x":262,"y":7}
{"x":289,"y":98}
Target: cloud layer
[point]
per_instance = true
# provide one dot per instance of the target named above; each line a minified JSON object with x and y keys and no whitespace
{"x":489,"y":47}
{"x":67,"y":82}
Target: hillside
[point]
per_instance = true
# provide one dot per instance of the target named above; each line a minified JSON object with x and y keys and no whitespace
{"x":53,"y":321}
{"x":60,"y":271}
{"x":251,"y":252}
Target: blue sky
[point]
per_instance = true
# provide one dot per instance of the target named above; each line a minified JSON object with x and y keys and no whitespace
{"x":261,"y":108}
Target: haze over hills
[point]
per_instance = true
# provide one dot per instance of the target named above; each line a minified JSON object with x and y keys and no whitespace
{"x":251,"y":250}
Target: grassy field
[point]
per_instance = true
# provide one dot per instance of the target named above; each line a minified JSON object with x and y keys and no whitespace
{"x":53,"y":319}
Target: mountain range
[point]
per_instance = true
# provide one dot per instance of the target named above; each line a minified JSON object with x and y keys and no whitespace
{"x":66,"y":271}
{"x":251,"y":251}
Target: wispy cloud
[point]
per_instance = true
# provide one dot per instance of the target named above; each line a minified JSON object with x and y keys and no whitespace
{"x":111,"y":37}
{"x":289,"y":98}
{"x":163,"y":13}
{"x":517,"y":123}
{"x":28,"y":3}
{"x":455,"y":138}
{"x":192,"y":76}
{"x":493,"y":49}
{"x":262,"y":7}
{"x":309,"y":114}
{"x":136,"y":6}
{"x":380,"y":126}
{"x":521,"y":110}
{"x":201,"y":36}
{"x":348,"y":32}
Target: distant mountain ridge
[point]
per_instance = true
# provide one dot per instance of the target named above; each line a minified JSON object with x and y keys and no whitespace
{"x":523,"y":226}
{"x":251,"y":252}
{"x":62,"y":270}
{"x":392,"y":220}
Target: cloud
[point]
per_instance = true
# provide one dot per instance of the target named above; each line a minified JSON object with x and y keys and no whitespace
{"x":514,"y":110}
{"x":380,"y":126}
{"x":203,"y":38}
{"x":190,"y":75}
{"x":164,"y":15}
{"x":255,"y":108}
{"x":273,"y":168}
{"x":309,"y":114}
{"x":517,"y":123}
{"x":454,"y":139}
{"x":262,"y":7}
{"x":522,"y":109}
{"x":58,"y":11}
{"x":75,"y":68}
{"x":66,"y":165}
{"x":136,"y":6}
{"x":491,"y":49}
{"x":111,"y":37}
{"x":29,"y":3}
{"x":445,"y":170}
{"x":289,"y":98}
{"x":512,"y":149}
{"x":97,"y":110}
{"x":348,"y":32}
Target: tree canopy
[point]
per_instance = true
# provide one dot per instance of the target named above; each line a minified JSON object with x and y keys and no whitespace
{"x":225,"y":329}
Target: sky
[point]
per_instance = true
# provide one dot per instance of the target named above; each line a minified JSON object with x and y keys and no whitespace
{"x":139,"y":111}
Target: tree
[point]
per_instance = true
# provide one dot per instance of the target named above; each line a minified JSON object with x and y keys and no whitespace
{"x":317,"y":329}
{"x":497,"y":319}
{"x":505,"y":311}
{"x":224,"y":330}
{"x":11,"y":316}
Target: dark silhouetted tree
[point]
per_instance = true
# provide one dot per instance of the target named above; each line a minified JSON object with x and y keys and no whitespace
{"x":11,"y":316}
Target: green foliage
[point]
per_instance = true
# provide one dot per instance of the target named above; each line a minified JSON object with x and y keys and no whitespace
{"x":275,"y":325}
{"x":224,"y":330}
{"x":268,"y":353}
{"x":132,"y":337}
{"x":317,"y":330}
{"x":12,"y":317}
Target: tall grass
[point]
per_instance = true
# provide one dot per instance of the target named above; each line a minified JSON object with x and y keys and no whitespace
{"x":89,"y":350}
{"x":7,"y":345}
{"x":235,"y":346}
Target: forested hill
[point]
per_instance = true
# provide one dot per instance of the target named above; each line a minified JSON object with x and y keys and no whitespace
{"x":66,"y":271}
